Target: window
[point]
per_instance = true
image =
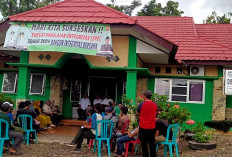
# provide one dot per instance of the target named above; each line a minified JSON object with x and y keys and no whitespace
{"x":37,"y":84}
{"x":75,"y":95}
{"x":181,"y":90}
{"x":9,"y":82}
{"x":157,"y":70}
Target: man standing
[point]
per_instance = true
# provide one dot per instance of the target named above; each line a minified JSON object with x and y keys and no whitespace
{"x":147,"y":114}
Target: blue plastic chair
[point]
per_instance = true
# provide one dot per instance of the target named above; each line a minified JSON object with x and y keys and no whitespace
{"x":3,"y":137}
{"x":23,"y":123}
{"x":170,"y":143}
{"x":103,"y":135}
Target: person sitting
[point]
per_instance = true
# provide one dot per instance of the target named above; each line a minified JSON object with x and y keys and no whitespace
{"x":110,"y":116}
{"x":17,"y":136}
{"x":117,"y":109}
{"x":57,"y":116}
{"x":83,"y":104}
{"x":123,"y":118}
{"x":27,"y":110}
{"x":47,"y":108}
{"x":98,"y":100}
{"x":88,"y":131}
{"x":161,"y":130}
{"x":107,"y":100}
{"x":131,"y":136}
{"x":12,"y":112}
{"x":44,"y":120}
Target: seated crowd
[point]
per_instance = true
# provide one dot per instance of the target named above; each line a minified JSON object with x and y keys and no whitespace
{"x":118,"y":115}
{"x":44,"y":116}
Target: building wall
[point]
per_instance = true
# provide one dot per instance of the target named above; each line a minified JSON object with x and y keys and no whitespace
{"x":209,"y":70}
{"x":199,"y":112}
{"x":141,"y":86}
{"x":120,"y":47}
{"x":56,"y":91}
{"x":219,"y":101}
{"x":43,"y":57}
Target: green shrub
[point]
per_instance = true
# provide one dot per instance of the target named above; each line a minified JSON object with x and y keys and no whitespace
{"x":4,"y":98}
{"x":202,"y":137}
{"x":223,"y":125}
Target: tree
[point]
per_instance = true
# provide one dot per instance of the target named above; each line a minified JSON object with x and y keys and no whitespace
{"x":11,"y":7}
{"x":126,"y":9}
{"x":214,"y":18}
{"x":156,"y":9}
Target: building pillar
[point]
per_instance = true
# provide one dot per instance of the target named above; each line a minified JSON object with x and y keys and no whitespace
{"x":23,"y":79}
{"x":131,"y":85}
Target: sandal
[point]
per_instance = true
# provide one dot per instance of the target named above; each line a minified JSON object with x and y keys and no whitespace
{"x":16,"y":153}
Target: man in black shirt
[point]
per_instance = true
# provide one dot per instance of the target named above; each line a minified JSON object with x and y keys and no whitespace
{"x":161,"y":130}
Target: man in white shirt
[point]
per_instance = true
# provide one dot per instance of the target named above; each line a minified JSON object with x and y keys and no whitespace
{"x":84,"y":103}
{"x":98,"y":100}
{"x":107,"y":100}
{"x":47,"y":109}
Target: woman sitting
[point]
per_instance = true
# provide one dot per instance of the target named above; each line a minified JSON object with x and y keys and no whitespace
{"x":42,"y":118}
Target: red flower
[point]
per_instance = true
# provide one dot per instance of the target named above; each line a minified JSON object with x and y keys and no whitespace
{"x":168,"y":105}
{"x":176,"y":106}
{"x":190,"y":122}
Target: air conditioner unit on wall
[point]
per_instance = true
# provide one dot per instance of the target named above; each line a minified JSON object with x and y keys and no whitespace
{"x":196,"y":70}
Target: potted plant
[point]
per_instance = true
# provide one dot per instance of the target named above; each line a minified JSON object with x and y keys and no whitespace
{"x":201,"y":139}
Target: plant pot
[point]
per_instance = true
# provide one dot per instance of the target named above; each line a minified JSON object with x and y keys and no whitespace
{"x":188,"y":136}
{"x":199,"y":146}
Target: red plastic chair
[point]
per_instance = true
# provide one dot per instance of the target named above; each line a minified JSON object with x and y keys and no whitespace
{"x":132,"y":149}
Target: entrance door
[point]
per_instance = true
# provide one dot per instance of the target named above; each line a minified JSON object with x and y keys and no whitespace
{"x":102,"y":86}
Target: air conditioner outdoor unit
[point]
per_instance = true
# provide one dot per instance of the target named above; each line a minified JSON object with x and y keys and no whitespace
{"x":196,"y":70}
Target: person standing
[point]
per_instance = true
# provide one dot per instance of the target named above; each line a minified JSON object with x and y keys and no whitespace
{"x":147,"y":111}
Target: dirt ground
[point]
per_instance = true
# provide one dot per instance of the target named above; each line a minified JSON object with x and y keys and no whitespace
{"x":50,"y":145}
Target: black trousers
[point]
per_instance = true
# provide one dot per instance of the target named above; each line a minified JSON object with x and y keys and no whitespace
{"x":81,"y":114}
{"x":83,"y":133}
{"x":147,"y":138}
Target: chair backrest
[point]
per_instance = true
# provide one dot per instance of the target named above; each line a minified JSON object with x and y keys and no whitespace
{"x":126,"y":124}
{"x":106,"y":129}
{"x":175,"y":129}
{"x":25,"y":121}
{"x":4,"y":125}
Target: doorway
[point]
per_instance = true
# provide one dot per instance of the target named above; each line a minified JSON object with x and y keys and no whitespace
{"x":102,"y":86}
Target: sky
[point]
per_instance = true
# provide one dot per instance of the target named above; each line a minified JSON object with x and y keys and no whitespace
{"x":198,"y":9}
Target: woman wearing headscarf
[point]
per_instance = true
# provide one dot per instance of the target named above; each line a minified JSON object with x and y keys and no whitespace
{"x":42,"y":118}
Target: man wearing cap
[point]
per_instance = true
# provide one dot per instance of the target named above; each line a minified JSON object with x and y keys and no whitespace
{"x":147,"y":111}
{"x":18,"y":137}
{"x":110,"y":116}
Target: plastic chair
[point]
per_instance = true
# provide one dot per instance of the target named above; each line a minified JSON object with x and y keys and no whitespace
{"x":23,"y":123}
{"x":103,"y":135}
{"x":3,"y":137}
{"x":132,"y":149}
{"x":170,"y":143}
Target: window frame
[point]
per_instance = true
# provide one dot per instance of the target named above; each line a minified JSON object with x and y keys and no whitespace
{"x":43,"y":86}
{"x":188,"y":86}
{"x":15,"y":83}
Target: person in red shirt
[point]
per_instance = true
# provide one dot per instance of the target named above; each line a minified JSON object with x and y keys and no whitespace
{"x":147,"y":111}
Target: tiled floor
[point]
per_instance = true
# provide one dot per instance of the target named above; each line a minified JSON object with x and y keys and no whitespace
{"x":62,"y":130}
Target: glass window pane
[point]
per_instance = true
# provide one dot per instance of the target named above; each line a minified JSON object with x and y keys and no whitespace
{"x":179,"y":98}
{"x":195,"y":91}
{"x":37,"y":84}
{"x":179,"y":82}
{"x":9,"y":82}
{"x":162,"y":87}
{"x":179,"y":90}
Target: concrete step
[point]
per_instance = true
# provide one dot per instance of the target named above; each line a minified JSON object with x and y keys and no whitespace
{"x":72,"y":122}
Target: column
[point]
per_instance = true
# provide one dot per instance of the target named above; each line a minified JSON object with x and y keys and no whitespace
{"x":131,"y":85}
